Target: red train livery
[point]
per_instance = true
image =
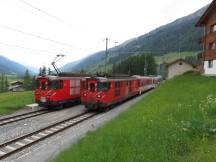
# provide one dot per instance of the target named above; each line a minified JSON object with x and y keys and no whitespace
{"x":102,"y":92}
{"x":58,"y":90}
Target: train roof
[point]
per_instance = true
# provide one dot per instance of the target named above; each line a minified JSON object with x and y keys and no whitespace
{"x":54,"y":77}
{"x":105,"y":79}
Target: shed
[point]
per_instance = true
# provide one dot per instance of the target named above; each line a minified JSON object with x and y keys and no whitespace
{"x":178,"y":67}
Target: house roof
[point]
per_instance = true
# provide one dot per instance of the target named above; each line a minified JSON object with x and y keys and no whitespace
{"x":179,"y":60}
{"x":206,"y":14}
{"x":16,"y":82}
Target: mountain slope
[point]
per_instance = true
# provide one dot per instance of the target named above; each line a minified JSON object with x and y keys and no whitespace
{"x":179,"y":35}
{"x":10,"y":67}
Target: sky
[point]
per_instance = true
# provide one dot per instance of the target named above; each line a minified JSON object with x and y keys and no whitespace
{"x":33,"y":32}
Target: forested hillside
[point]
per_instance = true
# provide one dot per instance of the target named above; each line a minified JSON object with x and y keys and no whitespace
{"x":10,"y":67}
{"x":180,"y":35}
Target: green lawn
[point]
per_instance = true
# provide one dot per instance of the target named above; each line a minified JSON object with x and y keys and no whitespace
{"x":177,"y":122}
{"x":12,"y":101}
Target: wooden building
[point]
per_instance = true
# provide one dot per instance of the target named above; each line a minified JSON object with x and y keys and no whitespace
{"x":208,"y":21}
{"x":178,"y":67}
{"x":16,"y":86}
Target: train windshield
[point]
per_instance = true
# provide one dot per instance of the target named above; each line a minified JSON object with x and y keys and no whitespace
{"x":37,"y":84}
{"x":56,"y":84}
{"x":103,"y":86}
{"x":43,"y":85}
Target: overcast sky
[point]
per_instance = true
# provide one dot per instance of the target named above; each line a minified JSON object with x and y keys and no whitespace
{"x":32,"y":32}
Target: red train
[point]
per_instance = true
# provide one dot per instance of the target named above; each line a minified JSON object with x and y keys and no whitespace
{"x":58,"y":90}
{"x":95,"y":92}
{"x":99,"y":93}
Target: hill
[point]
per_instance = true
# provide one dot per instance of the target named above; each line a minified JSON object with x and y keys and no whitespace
{"x":10,"y":67}
{"x":180,"y":35}
{"x":167,"y":125}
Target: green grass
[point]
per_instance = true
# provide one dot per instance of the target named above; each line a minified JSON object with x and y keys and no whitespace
{"x":12,"y":101}
{"x":176,"y":122}
{"x":173,"y":56}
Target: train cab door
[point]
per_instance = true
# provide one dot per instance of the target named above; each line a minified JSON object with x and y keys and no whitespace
{"x":127,"y":88}
{"x":92,"y":87}
{"x":117,"y":88}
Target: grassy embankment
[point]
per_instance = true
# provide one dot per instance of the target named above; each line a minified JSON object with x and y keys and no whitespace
{"x":10,"y":102}
{"x":177,"y":122}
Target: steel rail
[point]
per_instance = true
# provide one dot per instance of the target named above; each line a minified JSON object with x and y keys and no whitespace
{"x":20,"y":143}
{"x":16,"y":118}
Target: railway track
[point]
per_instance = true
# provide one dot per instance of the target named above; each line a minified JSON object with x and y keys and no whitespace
{"x":16,"y":118}
{"x":18,"y":144}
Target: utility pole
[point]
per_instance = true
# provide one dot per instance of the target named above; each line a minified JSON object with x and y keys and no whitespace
{"x":179,"y":46}
{"x":107,"y":39}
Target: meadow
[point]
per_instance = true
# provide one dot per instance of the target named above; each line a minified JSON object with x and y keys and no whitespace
{"x":13,"y":101}
{"x":176,"y":122}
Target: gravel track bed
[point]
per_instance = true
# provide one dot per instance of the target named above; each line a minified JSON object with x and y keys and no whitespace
{"x":49,"y":148}
{"x":19,"y":128}
{"x":21,"y":111}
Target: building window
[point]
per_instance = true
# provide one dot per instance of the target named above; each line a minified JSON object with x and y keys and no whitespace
{"x":213,"y":28}
{"x":210,"y":64}
{"x":212,"y":46}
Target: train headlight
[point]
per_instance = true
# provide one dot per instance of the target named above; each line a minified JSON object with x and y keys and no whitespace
{"x":98,"y":96}
{"x":42,"y":99}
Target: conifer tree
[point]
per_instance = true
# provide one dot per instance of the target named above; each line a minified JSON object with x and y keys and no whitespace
{"x":27,"y":80}
{"x":2,"y":83}
{"x":6,"y":84}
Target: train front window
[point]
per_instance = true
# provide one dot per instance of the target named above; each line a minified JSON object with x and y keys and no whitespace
{"x":56,"y":84}
{"x":37,"y":84}
{"x":92,"y":87}
{"x":43,"y":85}
{"x":103,"y":86}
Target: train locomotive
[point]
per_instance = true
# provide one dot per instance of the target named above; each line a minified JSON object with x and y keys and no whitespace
{"x":101,"y":92}
{"x":58,"y":90}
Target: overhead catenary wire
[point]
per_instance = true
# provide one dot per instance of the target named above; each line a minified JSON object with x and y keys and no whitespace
{"x":40,"y":37}
{"x":53,"y":17}
{"x":29,"y":11}
{"x":39,"y":51}
{"x":48,"y":15}
{"x":42,"y":11}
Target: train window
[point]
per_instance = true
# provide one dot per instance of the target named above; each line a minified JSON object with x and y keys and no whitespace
{"x":77,"y":90}
{"x":43,"y":85}
{"x":77,"y":83}
{"x":53,"y":84}
{"x":92,"y":87}
{"x":72,"y":91}
{"x":72,"y":84}
{"x":103,"y":86}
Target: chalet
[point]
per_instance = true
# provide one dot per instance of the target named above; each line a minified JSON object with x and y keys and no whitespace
{"x":178,"y":67}
{"x":208,"y":21}
{"x":16,"y":86}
